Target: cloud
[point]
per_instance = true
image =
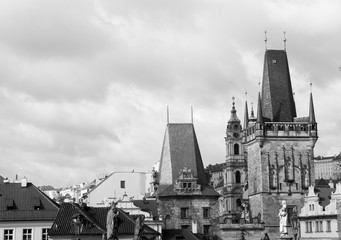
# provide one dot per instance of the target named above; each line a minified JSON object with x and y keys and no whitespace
{"x":84,"y":85}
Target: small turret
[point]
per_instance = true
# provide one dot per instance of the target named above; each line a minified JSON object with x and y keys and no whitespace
{"x":246,"y":116}
{"x":312,"y":119}
{"x":259,"y":110}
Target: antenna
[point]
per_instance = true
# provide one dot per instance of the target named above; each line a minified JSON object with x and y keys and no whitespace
{"x":167,"y":115}
{"x":266,"y":41}
{"x":284,"y":41}
{"x":192,"y":114}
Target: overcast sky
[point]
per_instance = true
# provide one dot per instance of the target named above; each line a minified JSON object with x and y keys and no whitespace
{"x":84,"y":85}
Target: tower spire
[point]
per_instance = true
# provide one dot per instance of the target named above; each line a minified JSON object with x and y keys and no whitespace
{"x":233,"y":117}
{"x":246,"y":114}
{"x":311,"y":109}
{"x":259,"y":110}
{"x":284,"y":41}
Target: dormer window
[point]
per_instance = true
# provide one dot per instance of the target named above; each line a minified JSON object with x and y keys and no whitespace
{"x":274,"y":61}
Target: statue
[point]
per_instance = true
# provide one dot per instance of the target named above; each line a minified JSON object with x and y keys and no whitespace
{"x":112,"y":223}
{"x":283,"y":219}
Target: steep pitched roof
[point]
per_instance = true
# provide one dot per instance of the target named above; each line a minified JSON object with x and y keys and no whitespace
{"x":95,"y":223}
{"x":277,"y":98}
{"x":180,"y":148}
{"x":25,"y":203}
{"x":174,"y":234}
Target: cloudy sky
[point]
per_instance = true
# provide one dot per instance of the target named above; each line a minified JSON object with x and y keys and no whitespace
{"x":84,"y":85}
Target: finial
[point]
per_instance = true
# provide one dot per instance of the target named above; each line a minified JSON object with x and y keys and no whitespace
{"x":233,"y":98}
{"x":167,"y":115}
{"x":259,"y":86}
{"x":266,"y":41}
{"x":284,"y":41}
{"x":311,"y":87}
{"x":245,"y":95}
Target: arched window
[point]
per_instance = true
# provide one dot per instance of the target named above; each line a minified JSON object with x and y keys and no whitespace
{"x":237,"y":177}
{"x":236,"y":149}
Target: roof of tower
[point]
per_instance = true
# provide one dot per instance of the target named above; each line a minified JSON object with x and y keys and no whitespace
{"x":234,"y":117}
{"x":180,"y":149}
{"x":277,"y":97}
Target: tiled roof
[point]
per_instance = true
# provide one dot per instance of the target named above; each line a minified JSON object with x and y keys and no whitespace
{"x":180,"y":148}
{"x":95,"y":219}
{"x":25,"y":203}
{"x":277,"y":97}
{"x":220,"y":184}
{"x":147,"y":205}
{"x":174,"y":234}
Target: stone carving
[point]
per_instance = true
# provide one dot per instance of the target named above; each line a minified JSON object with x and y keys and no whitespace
{"x":283,"y":219}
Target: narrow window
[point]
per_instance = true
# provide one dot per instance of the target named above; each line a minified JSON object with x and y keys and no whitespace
{"x":237,"y":177}
{"x":236,"y":149}
{"x":316,"y":226}
{"x":328,"y":226}
{"x":123,"y":184}
{"x":207,"y":229}
{"x":184,"y":213}
{"x":206,"y":212}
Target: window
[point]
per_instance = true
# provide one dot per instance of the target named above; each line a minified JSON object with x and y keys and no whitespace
{"x":44,"y":234}
{"x":328,"y":226}
{"x":308,"y":227}
{"x":317,"y":229}
{"x":123,"y":184}
{"x":237,"y":177}
{"x":236,"y":149}
{"x":280,"y":186}
{"x":207,"y":229}
{"x":321,"y":226}
{"x":184,"y":212}
{"x":8,"y":234}
{"x":206,"y":212}
{"x":27,"y":234}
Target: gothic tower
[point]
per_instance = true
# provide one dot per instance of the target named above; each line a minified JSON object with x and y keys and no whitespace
{"x":235,"y":170}
{"x":279,"y":146}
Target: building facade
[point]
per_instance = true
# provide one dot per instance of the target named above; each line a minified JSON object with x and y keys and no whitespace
{"x":327,"y":167}
{"x":25,"y":211}
{"x":319,"y":220}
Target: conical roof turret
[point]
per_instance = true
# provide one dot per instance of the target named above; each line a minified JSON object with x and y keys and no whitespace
{"x":259,"y":110}
{"x":233,"y":117}
{"x":246,"y":116}
{"x":311,"y":110}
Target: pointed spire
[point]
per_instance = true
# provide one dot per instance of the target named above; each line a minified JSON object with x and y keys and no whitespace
{"x":246,"y":116}
{"x":259,"y":110}
{"x":311,"y":110}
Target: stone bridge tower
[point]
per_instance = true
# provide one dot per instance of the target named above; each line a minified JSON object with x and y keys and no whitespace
{"x":279,"y":146}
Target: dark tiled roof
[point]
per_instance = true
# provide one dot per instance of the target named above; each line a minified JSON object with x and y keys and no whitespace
{"x":277,"y":98}
{"x":96,"y":219}
{"x":147,"y":205}
{"x":25,"y":203}
{"x":175,"y":234}
{"x":180,"y":148}
{"x":324,"y":191}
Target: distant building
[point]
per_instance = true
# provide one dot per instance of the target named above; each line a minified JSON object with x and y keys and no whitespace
{"x":25,"y":211}
{"x":327,"y":167}
{"x":216,"y":173}
{"x":115,"y":186}
{"x":185,"y":199}
{"x":320,"y":216}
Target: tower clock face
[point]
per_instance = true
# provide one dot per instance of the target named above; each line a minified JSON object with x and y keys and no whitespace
{"x":236,"y":134}
{"x":235,"y":127}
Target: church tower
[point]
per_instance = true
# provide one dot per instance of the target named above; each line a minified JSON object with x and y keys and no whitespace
{"x":235,"y":169}
{"x":279,"y":146}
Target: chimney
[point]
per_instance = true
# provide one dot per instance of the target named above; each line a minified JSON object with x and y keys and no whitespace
{"x":6,"y":180}
{"x":24,"y":182}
